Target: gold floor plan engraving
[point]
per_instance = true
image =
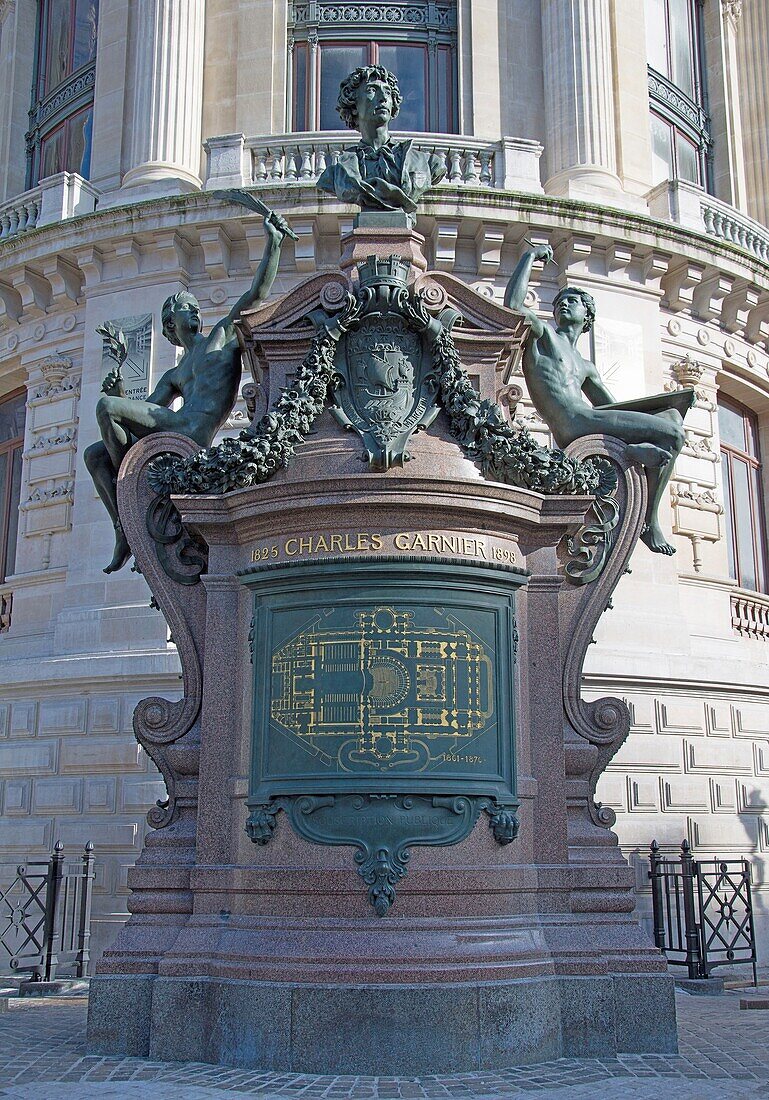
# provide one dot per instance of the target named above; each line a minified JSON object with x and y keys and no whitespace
{"x":384,"y":692}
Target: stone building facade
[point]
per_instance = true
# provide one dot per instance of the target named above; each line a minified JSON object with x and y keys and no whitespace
{"x":646,"y":169}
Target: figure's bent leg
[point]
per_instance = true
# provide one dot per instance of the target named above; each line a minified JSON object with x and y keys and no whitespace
{"x":647,"y":454}
{"x":121,"y":419}
{"x":99,"y":465}
{"x":655,"y":440}
{"x":657,"y":480}
{"x":117,"y":439}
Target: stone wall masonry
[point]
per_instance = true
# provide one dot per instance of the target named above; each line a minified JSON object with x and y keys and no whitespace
{"x":693,"y":768}
{"x":71,"y":770}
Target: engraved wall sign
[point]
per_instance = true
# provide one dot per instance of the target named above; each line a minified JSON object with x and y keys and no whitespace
{"x":137,"y":367}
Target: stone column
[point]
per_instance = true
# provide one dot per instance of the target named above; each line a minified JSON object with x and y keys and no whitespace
{"x":580,"y":144}
{"x":753,"y":47}
{"x":721,"y":26}
{"x":168,"y":95}
{"x":17,"y":51}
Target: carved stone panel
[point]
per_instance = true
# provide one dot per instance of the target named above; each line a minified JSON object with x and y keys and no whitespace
{"x":137,"y":367}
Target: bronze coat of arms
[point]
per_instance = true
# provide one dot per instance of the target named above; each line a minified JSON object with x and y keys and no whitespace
{"x":385,"y":386}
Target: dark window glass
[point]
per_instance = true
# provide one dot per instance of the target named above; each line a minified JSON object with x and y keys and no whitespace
{"x":57,"y":67}
{"x":300,"y":87}
{"x":409,"y":63}
{"x":445,"y":90}
{"x":421,"y":51}
{"x":743,"y":503}
{"x":84,"y":45}
{"x":13,"y":512}
{"x":336,"y":61}
{"x":59,"y":139}
{"x":11,"y":441}
{"x":675,"y":89}
{"x":11,"y":419}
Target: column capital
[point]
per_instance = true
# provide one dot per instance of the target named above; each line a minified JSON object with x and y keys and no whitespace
{"x":732,"y":10}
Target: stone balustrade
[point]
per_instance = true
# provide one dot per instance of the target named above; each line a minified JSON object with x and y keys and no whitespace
{"x":750,"y":613}
{"x":20,"y":214}
{"x":269,"y":160}
{"x":688,"y":205}
{"x":728,"y":224}
{"x":56,"y":198}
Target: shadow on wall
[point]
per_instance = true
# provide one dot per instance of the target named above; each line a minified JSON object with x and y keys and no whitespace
{"x":752,"y":820}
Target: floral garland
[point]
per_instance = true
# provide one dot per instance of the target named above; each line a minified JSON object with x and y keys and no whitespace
{"x":503,"y":453}
{"x":259,"y":451}
{"x":508,"y":454}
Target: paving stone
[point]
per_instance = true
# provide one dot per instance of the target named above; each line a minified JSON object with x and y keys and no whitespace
{"x":723,"y":1053}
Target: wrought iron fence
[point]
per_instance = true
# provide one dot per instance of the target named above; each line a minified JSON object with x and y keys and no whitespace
{"x":45,"y":913}
{"x":703,"y":911}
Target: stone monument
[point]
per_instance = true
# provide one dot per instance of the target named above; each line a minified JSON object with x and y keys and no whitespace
{"x":381,"y":851}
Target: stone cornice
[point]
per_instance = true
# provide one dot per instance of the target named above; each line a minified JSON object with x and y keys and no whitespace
{"x":632,"y":247}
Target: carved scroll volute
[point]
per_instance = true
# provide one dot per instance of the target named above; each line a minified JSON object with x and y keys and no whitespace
{"x":167,"y":731}
{"x":602,"y":550}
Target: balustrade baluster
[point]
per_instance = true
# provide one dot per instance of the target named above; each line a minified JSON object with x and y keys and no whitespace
{"x":276,"y":171}
{"x":291,"y":169}
{"x":487,"y":172}
{"x":471,"y":174}
{"x":260,"y":165}
{"x":306,"y":171}
{"x":455,"y":165}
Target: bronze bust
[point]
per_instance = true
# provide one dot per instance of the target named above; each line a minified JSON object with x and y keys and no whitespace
{"x":378,"y":174}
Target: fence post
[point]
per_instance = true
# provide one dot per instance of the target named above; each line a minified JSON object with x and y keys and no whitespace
{"x":49,"y":927}
{"x":690,"y":919}
{"x":658,"y":914}
{"x":84,"y":931}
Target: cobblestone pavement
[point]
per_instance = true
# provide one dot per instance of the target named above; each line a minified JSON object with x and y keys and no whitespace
{"x":724,"y":1053}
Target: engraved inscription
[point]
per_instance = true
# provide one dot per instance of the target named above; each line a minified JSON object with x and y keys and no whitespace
{"x":441,"y":544}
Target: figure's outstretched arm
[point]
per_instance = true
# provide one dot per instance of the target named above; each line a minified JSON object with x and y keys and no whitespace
{"x":275,"y":229}
{"x":515,"y":292}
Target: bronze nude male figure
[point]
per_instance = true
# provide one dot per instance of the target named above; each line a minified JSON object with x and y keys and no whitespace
{"x":206,"y":378}
{"x":378,"y":173}
{"x":561,"y":382}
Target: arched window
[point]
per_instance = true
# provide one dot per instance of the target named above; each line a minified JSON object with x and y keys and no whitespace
{"x":679,"y":122}
{"x":416,"y":40}
{"x":743,"y":495}
{"x":61,"y":118}
{"x":11,"y":441}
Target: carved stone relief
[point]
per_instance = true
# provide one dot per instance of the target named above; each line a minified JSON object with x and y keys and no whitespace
{"x":50,"y":454}
{"x":137,"y":366}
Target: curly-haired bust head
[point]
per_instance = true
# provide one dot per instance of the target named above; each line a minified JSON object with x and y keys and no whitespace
{"x":587,"y":300}
{"x":346,"y":104}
